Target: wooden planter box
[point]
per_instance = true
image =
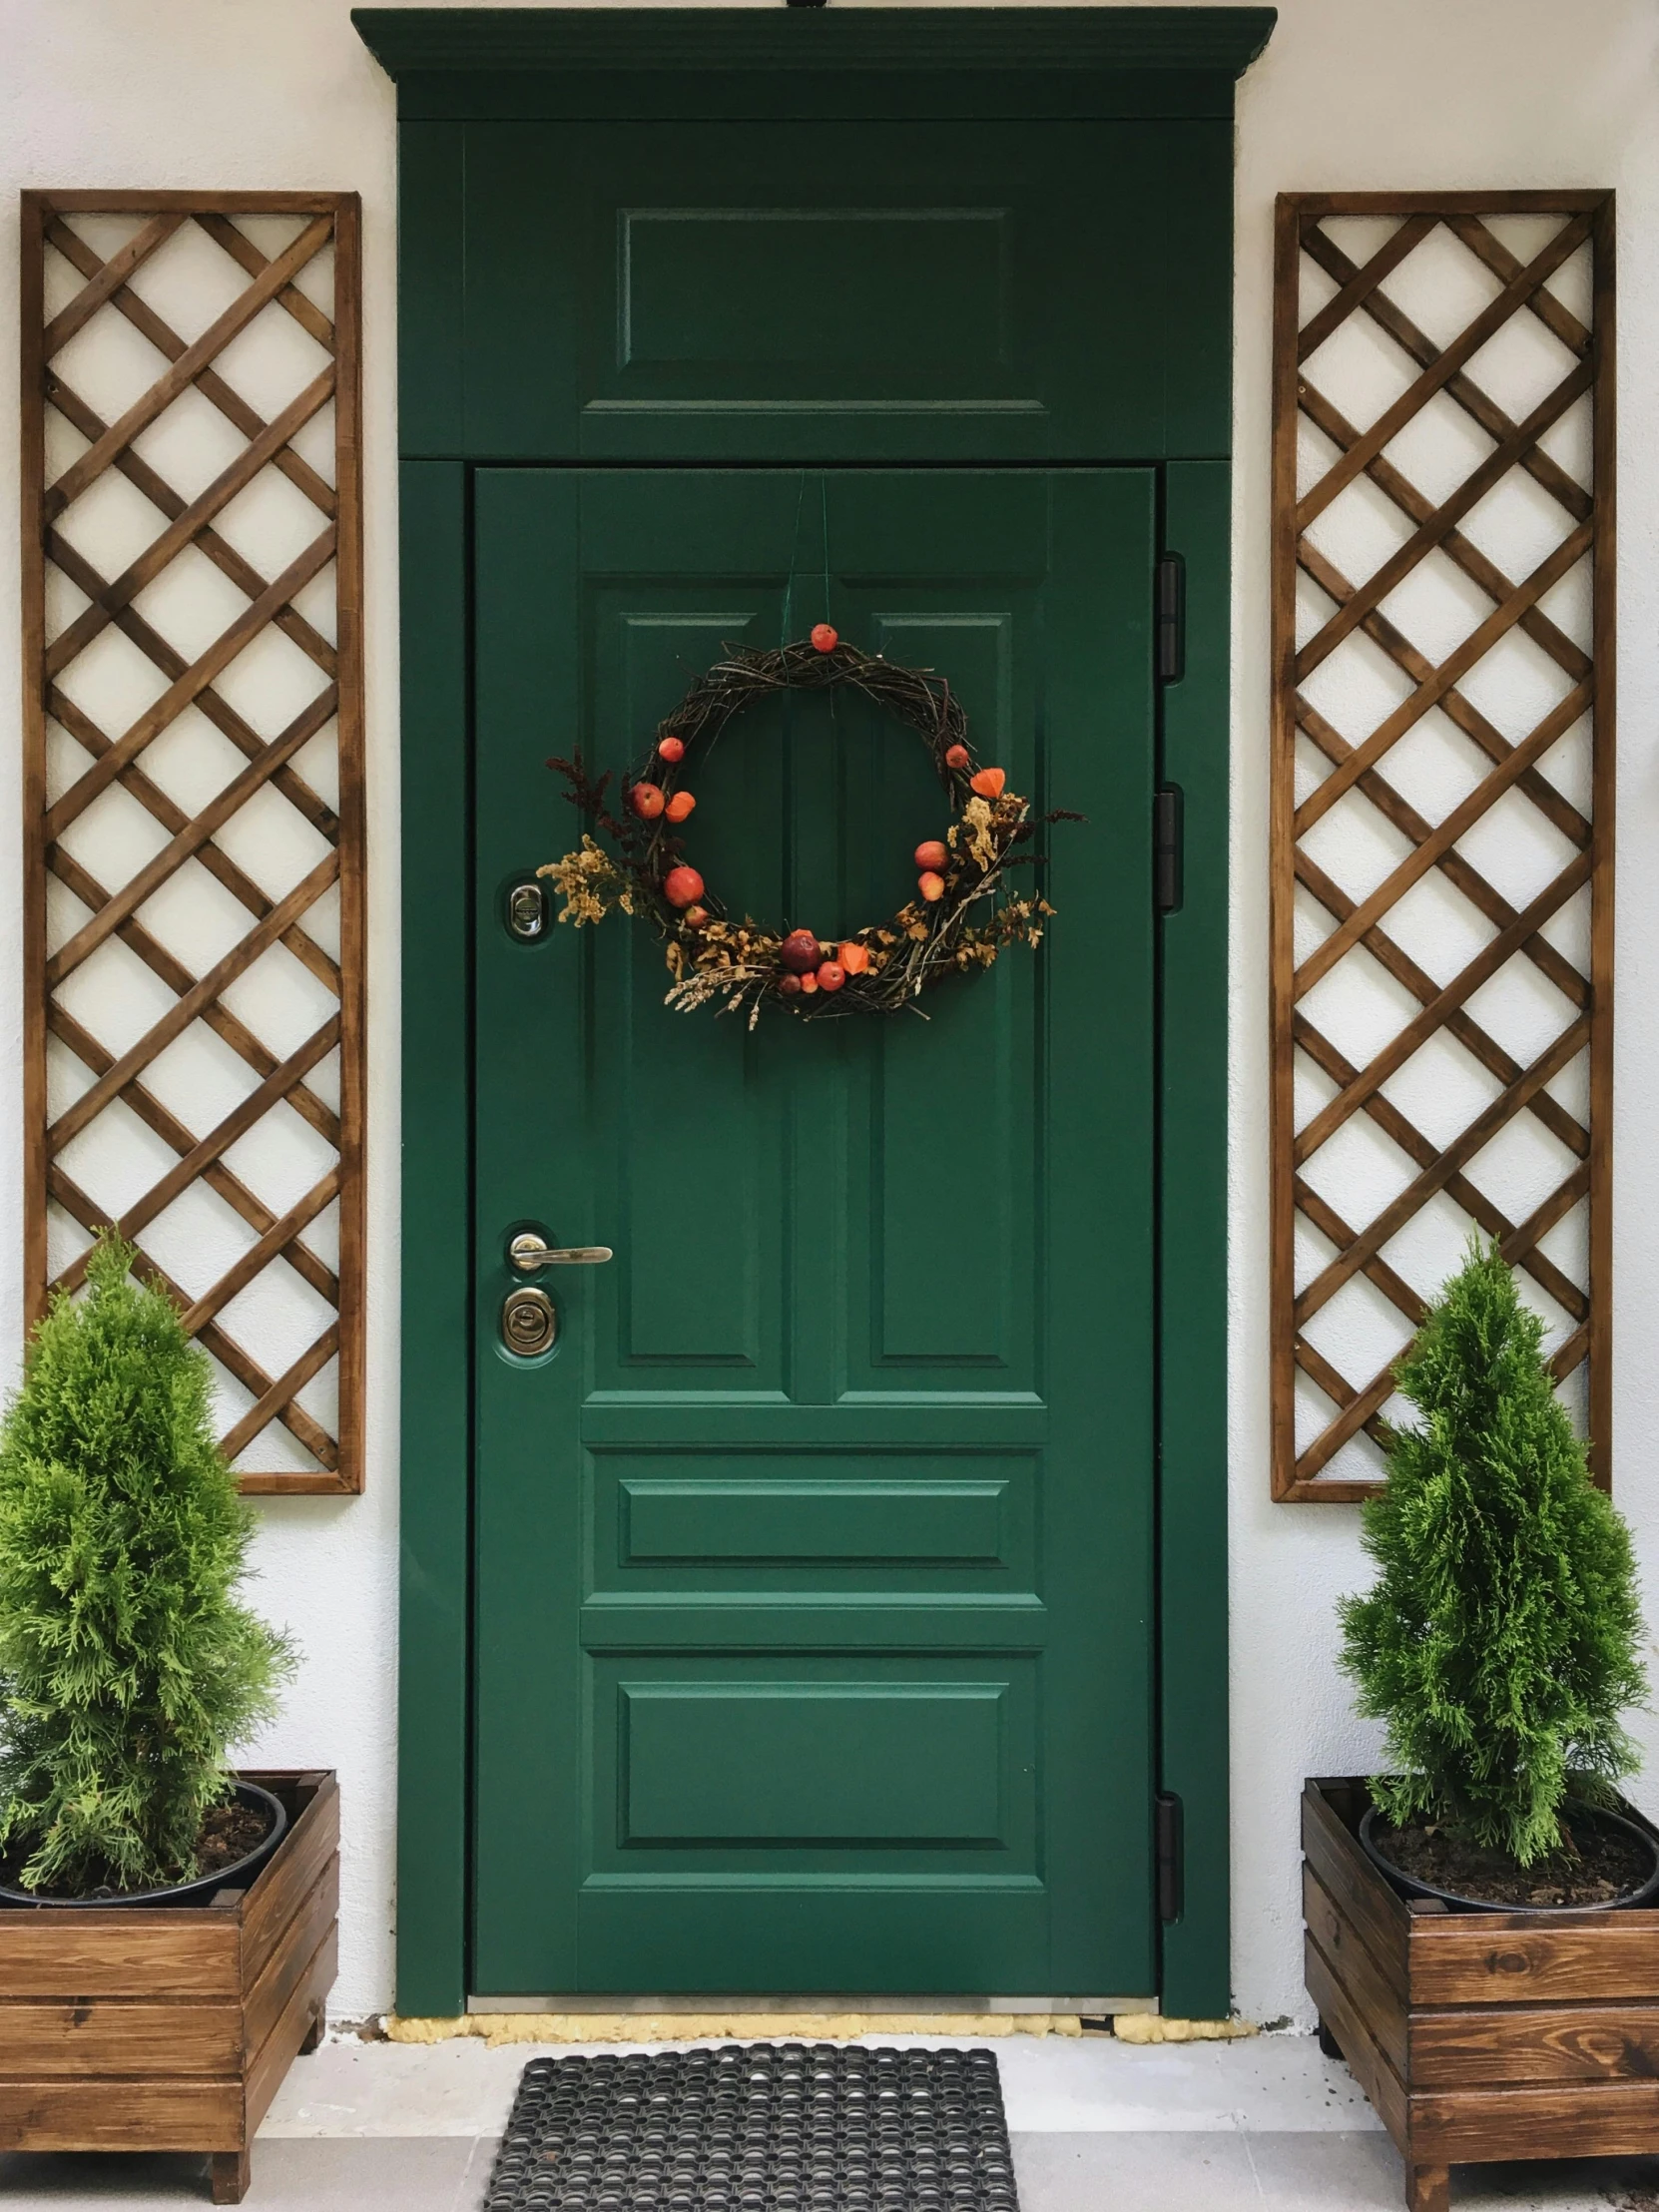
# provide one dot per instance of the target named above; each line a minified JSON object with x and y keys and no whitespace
{"x":169,"y":2027}
{"x":1478,"y":2035}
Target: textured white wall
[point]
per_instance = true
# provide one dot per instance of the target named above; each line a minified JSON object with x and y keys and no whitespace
{"x":1351,"y":94}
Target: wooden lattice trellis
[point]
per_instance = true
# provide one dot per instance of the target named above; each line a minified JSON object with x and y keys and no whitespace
{"x":1435,"y":1077}
{"x":126,"y":825}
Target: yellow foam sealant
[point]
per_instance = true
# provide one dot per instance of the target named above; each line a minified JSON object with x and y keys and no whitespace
{"x":1150,"y":2028}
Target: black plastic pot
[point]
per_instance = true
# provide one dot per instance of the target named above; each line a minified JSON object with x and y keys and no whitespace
{"x":237,"y":1876}
{"x":1413,"y":1888}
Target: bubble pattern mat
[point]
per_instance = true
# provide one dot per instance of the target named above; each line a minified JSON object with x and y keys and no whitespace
{"x":759,"y":2127}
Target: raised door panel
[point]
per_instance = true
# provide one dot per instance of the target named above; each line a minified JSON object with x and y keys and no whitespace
{"x":885,"y":1518}
{"x":726,"y":1753}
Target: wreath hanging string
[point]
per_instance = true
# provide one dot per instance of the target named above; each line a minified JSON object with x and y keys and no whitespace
{"x":965,"y":912}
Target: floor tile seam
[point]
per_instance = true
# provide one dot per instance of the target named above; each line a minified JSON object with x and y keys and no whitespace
{"x":1141,"y":2122}
{"x":1249,"y":2155}
{"x":404,"y":2131}
{"x":469,"y":2188}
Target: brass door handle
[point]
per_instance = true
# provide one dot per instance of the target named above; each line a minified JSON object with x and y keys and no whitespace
{"x":528,"y":1252}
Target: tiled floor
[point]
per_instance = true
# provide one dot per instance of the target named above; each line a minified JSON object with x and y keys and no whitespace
{"x":1098,"y":2126}
{"x":416,"y":2173}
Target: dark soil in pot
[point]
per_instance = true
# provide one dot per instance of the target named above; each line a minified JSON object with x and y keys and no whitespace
{"x":1613,"y":1862}
{"x":236,"y":1839}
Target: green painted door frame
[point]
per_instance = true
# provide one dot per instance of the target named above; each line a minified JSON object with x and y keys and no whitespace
{"x":1106,"y":67}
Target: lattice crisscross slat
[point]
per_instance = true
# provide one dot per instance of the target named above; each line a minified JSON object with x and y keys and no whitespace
{"x":199,"y":896}
{"x":1376,"y":809}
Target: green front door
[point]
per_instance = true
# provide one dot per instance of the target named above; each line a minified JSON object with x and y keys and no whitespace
{"x":813,"y":1567}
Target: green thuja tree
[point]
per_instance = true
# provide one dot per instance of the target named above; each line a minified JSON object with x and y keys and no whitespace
{"x":1500,"y":1644}
{"x":127,"y":1666}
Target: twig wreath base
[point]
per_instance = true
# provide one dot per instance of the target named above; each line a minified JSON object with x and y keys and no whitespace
{"x":965,"y":911}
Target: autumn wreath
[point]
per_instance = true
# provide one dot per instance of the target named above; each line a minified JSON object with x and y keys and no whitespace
{"x":963,"y":915}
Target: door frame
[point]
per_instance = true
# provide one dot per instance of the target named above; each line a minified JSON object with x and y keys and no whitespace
{"x":459,"y":65}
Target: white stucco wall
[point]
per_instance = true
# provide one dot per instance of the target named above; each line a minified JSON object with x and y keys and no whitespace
{"x":1351,"y":94}
{"x":1381,"y":95}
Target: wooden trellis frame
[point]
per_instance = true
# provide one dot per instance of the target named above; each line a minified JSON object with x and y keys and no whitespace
{"x":187,"y":525}
{"x":1444,"y":1168}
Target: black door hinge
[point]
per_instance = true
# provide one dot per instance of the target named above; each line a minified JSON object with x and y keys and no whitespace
{"x":1168,"y":860}
{"x":1167,"y":1816}
{"x":1170,"y":606}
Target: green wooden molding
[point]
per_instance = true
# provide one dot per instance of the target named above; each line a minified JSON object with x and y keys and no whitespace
{"x":1192,"y":1261}
{"x":413,"y":41}
{"x":436,"y":1393}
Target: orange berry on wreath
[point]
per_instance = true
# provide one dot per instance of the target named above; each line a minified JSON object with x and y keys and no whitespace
{"x":988,"y":783}
{"x":680,"y":806}
{"x":931,"y":855}
{"x":809,"y":984}
{"x":695,"y":917}
{"x":930,"y":885}
{"x":672,"y":748}
{"x":830,"y":976}
{"x":825,"y":638}
{"x":646,"y":800}
{"x":957,"y":756}
{"x":682,"y":886}
{"x":853,"y":956}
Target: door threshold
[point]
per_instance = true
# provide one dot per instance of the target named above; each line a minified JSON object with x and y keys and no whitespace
{"x":817,"y":2003}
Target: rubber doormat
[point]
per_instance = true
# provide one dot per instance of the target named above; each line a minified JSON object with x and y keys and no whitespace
{"x":759,"y":2127}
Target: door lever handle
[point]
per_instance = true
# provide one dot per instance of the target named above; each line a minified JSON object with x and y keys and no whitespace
{"x":528,"y":1252}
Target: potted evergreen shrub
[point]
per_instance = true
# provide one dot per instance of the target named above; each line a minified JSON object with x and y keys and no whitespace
{"x":164,"y":2011}
{"x":1500,"y":1643}
{"x":127,"y":1665}
{"x":1461,"y":1943}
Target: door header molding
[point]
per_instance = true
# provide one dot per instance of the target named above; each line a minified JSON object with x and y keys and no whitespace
{"x":409,"y":42}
